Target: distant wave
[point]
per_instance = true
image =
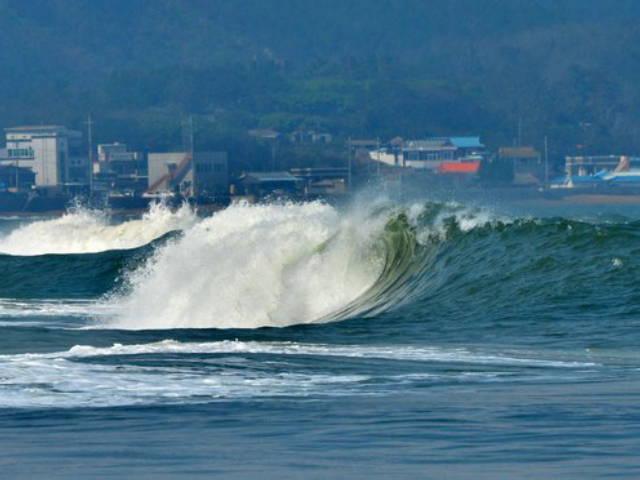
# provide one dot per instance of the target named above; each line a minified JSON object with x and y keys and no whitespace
{"x":90,"y":231}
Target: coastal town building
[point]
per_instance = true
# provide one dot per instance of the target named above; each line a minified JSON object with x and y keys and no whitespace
{"x":197,"y":174}
{"x":46,"y":150}
{"x":119,"y":169}
{"x":430,"y":153}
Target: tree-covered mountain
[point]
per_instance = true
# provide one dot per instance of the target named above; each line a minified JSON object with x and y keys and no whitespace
{"x":568,"y":69}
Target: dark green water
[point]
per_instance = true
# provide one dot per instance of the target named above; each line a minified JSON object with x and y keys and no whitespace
{"x":489,"y":345}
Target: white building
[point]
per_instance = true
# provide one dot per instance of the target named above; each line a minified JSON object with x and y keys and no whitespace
{"x":429,"y":153}
{"x":168,"y":171}
{"x":44,"y":149}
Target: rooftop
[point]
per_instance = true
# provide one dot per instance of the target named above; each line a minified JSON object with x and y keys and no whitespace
{"x":35,"y":128}
{"x":43,"y":130}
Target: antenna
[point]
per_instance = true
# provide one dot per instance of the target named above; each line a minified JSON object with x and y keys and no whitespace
{"x":349,"y":152}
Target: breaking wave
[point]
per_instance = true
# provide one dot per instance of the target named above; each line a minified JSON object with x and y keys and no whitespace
{"x":84,"y":230}
{"x":280,"y":265}
{"x":277,"y":265}
{"x":253,"y":266}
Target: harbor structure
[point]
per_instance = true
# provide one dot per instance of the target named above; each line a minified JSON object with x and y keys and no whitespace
{"x":610,"y":173}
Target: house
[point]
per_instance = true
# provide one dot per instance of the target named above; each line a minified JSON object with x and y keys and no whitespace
{"x":429,"y":153}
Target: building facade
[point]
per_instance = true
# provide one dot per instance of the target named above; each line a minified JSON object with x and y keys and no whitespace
{"x":46,"y":151}
{"x":199,"y":174}
{"x":119,"y":169}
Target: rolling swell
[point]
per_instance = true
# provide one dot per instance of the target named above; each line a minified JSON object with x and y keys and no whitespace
{"x":449,"y":261}
{"x":87,"y":275}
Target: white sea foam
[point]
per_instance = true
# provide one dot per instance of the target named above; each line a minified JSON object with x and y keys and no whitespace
{"x":54,"y":308}
{"x":89,"y":231}
{"x":251,"y":266}
{"x":385,"y":352}
{"x":119,"y":375}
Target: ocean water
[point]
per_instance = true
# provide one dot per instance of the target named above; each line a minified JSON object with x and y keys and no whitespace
{"x":386,"y":339}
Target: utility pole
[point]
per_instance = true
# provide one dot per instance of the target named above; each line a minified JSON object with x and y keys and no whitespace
{"x":546,"y":162}
{"x":349,"y":164}
{"x":90,"y":152}
{"x":17,"y":173}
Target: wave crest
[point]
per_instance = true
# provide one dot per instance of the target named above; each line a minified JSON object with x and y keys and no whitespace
{"x":84,"y":230}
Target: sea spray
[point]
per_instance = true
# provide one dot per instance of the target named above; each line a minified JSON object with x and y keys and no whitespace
{"x":253,"y":266}
{"x":83,"y":230}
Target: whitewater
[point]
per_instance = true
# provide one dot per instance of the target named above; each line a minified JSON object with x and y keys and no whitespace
{"x":385,"y":339}
{"x":84,"y":230}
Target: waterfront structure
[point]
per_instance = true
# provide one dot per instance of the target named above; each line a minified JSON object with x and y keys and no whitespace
{"x":429,"y":153}
{"x":586,"y":165}
{"x":525,"y":162}
{"x":192,"y":174}
{"x":610,"y":173}
{"x":46,"y":150}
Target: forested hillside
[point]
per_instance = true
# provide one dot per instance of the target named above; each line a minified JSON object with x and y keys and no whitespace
{"x":567,"y":69}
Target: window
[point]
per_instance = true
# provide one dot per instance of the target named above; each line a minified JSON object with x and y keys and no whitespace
{"x":20,"y":152}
